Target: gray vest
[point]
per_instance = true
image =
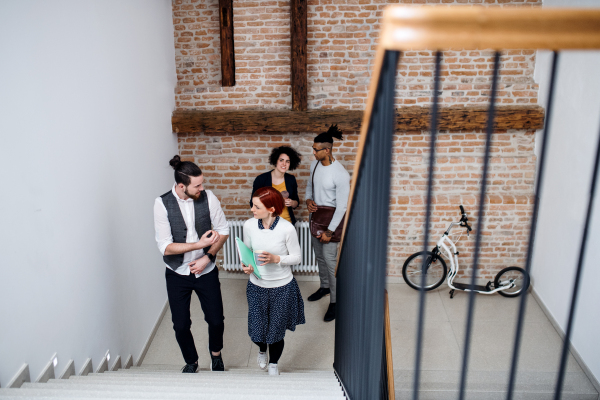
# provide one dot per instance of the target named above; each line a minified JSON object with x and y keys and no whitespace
{"x":178,"y":227}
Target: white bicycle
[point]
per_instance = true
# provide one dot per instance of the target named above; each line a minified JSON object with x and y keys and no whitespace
{"x":510,"y":282}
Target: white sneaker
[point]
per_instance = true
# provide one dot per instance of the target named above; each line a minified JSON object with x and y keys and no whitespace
{"x":262,"y":360}
{"x":273,"y":370}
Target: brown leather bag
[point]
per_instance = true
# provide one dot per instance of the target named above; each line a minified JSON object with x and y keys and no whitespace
{"x":320,"y":219}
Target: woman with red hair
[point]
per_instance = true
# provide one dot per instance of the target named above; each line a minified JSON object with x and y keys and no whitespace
{"x":274,"y":301}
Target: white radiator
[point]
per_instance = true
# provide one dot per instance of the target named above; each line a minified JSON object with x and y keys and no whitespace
{"x":231,"y":260}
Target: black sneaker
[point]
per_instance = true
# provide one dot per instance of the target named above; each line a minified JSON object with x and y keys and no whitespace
{"x":189,"y":368}
{"x":330,"y":314}
{"x":318,"y":294}
{"x":216,"y":363}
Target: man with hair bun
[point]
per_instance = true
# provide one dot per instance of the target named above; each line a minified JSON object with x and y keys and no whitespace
{"x":190,"y":229}
{"x":331,"y":184}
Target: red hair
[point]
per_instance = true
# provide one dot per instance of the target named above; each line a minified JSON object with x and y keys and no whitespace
{"x":270,"y":197}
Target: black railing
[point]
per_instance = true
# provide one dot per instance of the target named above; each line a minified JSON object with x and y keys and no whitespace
{"x":359,"y":360}
{"x":359,"y":324}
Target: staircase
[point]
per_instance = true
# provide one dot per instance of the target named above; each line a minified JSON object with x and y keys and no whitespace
{"x":167,"y":382}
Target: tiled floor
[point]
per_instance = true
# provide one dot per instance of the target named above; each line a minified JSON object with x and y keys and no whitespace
{"x":311,"y":345}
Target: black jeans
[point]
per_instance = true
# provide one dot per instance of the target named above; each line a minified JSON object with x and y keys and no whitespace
{"x":208,"y":290}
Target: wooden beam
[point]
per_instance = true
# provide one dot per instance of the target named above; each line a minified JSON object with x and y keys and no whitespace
{"x":298,"y":39}
{"x":227,"y":54}
{"x":408,"y":119}
{"x":466,"y":27}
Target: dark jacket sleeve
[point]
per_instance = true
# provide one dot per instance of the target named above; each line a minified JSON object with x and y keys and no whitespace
{"x":261,"y":181}
{"x":255,"y":186}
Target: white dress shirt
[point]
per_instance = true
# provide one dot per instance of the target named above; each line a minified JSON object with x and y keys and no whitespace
{"x":163,"y":228}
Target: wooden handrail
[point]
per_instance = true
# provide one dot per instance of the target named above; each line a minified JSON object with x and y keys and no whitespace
{"x":465,"y":27}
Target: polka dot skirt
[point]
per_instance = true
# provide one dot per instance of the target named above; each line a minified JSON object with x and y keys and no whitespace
{"x":272,"y":311}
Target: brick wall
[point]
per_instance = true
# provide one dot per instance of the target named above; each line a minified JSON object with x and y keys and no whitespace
{"x":342,"y":37}
{"x":231,"y":162}
{"x":342,"y":40}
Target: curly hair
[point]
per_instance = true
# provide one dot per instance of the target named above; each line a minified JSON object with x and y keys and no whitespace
{"x":294,"y":156}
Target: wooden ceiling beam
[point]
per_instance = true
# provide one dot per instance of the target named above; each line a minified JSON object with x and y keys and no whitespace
{"x":227,"y":53}
{"x":408,"y":119}
{"x":298,"y":42}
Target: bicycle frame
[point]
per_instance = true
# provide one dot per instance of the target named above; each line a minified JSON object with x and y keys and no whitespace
{"x":452,"y":256}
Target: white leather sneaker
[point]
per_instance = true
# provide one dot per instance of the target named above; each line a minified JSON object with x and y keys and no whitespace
{"x":273,"y":370}
{"x":262,"y":360}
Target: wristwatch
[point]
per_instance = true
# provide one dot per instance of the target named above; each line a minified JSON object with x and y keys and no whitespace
{"x":211,"y":257}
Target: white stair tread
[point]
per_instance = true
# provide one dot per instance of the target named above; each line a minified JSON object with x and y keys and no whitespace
{"x":124,"y":394}
{"x":212,"y":377}
{"x":240,"y":370}
{"x":247,"y":371}
{"x":209,"y":387}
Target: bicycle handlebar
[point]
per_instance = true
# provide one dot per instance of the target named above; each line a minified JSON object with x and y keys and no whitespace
{"x":465,"y":219}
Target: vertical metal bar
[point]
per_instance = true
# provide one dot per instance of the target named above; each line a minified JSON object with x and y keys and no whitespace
{"x":538,"y":191}
{"x":486,"y":162}
{"x":432,"y":136}
{"x":567,"y":340}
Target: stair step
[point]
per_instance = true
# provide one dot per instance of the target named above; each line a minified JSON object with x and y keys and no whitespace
{"x":250,"y":372}
{"x":273,"y":384}
{"x":239,"y":370}
{"x":255,"y":389}
{"x":123,"y":393}
{"x":211,"y":377}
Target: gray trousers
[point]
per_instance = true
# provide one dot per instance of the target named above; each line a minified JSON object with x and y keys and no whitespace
{"x":326,"y":254}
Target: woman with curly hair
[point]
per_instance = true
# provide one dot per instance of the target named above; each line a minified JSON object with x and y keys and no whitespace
{"x":284,"y":159}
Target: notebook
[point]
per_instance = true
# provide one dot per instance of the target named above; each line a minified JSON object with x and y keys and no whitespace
{"x":247,"y":256}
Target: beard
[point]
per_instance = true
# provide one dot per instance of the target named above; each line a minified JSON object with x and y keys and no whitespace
{"x":196,"y":197}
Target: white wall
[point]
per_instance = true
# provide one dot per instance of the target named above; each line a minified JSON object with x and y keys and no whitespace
{"x":86,"y":94}
{"x":564,"y":198}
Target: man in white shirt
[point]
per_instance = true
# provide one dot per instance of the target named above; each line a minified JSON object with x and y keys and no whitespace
{"x":183,"y":221}
{"x":331,"y":188}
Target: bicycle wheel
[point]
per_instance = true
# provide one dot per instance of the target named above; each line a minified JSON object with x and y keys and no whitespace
{"x":509,"y":275}
{"x":435,"y":270}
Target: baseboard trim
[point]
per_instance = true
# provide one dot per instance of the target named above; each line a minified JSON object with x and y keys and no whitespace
{"x":128,"y":362}
{"x":561,"y":333}
{"x":69,"y":370}
{"x":117,"y":364}
{"x":48,"y":371}
{"x":20,"y":377}
{"x":152,"y":334}
{"x":87,"y":368}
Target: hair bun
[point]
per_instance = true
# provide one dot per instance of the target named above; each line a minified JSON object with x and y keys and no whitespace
{"x":335,"y":132}
{"x":175,"y":161}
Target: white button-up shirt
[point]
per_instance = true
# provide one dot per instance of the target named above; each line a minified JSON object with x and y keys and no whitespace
{"x":162,"y":228}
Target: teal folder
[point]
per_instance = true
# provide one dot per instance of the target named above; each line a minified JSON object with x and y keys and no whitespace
{"x":247,"y":256}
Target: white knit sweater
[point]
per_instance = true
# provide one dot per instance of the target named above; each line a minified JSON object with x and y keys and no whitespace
{"x":281,"y":241}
